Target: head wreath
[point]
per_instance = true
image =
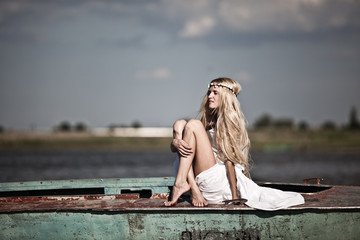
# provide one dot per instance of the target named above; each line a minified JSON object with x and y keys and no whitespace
{"x":221,"y":85}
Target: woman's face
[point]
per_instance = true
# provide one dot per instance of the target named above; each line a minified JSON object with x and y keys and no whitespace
{"x":213,"y":97}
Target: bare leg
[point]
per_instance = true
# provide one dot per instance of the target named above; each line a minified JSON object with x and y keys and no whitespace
{"x":202,"y":157}
{"x":196,"y":196}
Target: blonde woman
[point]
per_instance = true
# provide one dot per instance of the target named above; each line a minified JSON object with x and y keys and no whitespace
{"x":213,"y":155}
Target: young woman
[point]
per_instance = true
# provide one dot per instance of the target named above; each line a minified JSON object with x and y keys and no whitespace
{"x":213,"y":155}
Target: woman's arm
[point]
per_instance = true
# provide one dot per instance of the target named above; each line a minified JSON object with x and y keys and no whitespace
{"x":177,"y":144}
{"x":230,"y":172}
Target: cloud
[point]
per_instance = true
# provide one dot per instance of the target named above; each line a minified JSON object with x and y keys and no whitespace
{"x":243,"y":77}
{"x":8,"y":8}
{"x":195,"y":19}
{"x":158,"y":74}
{"x":303,"y":15}
{"x":37,"y":11}
{"x":239,"y":15}
{"x":197,"y":28}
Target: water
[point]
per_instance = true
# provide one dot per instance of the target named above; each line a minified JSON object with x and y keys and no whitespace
{"x":335,"y":168}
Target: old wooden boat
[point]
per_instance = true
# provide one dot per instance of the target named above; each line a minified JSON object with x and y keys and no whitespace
{"x":133,"y":209}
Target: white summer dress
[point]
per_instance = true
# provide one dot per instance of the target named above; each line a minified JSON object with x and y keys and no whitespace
{"x":214,"y":186}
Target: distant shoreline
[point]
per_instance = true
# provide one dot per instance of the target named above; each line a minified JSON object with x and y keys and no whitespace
{"x":261,"y":140}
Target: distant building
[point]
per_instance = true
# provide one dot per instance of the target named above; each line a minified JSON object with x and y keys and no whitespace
{"x":133,"y":132}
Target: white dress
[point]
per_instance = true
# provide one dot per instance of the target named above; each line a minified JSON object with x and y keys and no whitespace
{"x":214,"y":186}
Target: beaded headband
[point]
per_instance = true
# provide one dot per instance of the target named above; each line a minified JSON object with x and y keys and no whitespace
{"x":221,"y":85}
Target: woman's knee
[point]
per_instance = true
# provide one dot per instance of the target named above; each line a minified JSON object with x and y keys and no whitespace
{"x":194,"y":124}
{"x":179,"y":124}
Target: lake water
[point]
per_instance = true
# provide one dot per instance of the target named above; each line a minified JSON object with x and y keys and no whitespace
{"x":335,"y":168}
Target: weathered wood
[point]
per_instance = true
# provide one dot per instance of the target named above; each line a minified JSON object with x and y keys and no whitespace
{"x":330,"y":213}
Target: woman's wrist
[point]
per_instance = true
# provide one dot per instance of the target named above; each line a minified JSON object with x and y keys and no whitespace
{"x":235,"y":196}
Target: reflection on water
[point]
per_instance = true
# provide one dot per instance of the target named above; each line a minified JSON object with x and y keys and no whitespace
{"x":335,"y":168}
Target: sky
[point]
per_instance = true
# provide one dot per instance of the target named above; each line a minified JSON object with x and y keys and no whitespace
{"x":118,"y":62}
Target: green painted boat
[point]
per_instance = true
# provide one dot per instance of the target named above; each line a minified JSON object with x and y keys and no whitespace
{"x":133,"y":209}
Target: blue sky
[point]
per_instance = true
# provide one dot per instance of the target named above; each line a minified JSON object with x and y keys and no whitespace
{"x":116,"y":62}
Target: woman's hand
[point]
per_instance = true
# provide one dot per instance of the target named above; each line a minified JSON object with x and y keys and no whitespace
{"x":181,"y":147}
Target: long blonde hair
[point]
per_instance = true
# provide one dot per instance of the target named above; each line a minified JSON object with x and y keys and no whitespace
{"x":230,"y":129}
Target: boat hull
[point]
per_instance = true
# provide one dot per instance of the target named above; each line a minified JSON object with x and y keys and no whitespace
{"x":206,"y":224}
{"x":133,"y":209}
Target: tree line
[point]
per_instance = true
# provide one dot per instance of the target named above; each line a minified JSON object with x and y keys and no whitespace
{"x":263,"y":122}
{"x":267,"y":121}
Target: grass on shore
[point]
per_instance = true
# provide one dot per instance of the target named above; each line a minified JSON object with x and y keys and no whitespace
{"x":284,"y":140}
{"x":261,"y":140}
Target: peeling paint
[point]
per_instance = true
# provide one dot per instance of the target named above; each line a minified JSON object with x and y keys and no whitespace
{"x":160,"y":196}
{"x":331,"y":213}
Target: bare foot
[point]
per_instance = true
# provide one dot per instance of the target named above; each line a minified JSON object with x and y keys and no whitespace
{"x":177,"y":191}
{"x":197,"y":199}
